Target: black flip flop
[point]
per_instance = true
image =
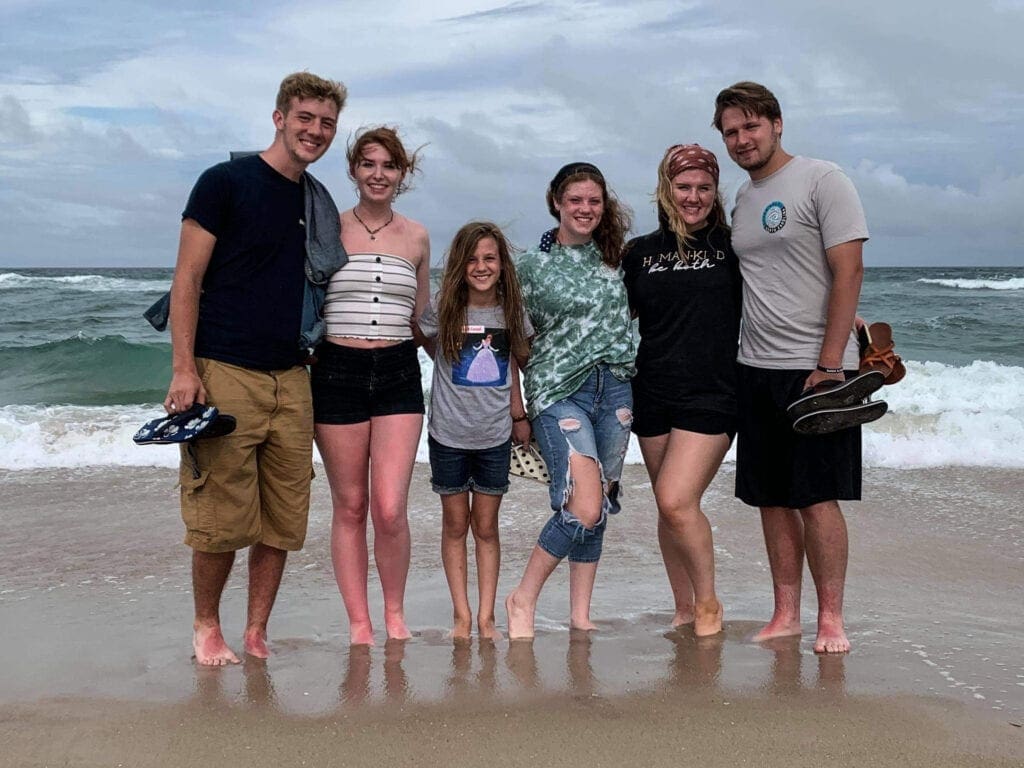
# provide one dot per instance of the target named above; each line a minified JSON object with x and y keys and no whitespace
{"x":828,"y":420}
{"x":838,"y":394}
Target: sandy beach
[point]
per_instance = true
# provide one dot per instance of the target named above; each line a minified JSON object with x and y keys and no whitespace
{"x":95,"y":608}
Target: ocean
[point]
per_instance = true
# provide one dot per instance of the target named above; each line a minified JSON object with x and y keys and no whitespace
{"x":80,"y":369}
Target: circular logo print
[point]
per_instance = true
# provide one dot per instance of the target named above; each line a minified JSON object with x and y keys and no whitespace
{"x":774,"y":217}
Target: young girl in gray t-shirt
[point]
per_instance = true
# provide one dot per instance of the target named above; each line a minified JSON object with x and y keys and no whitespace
{"x":477,"y":332}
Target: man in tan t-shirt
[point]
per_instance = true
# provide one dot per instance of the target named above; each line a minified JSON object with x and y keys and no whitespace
{"x":798,"y":231}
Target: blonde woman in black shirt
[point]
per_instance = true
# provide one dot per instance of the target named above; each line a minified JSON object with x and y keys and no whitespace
{"x":684,"y":287}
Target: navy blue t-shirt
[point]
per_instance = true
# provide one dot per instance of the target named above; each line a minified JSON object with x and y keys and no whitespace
{"x":250,"y":309}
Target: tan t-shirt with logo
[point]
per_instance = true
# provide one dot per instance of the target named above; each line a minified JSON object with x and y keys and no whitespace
{"x":781,"y":227}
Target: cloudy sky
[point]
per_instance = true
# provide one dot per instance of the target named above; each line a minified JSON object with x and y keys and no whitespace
{"x":109,"y":111}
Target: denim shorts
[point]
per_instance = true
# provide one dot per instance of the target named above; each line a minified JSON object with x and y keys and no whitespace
{"x":352,"y":385}
{"x":593,"y":421}
{"x":457,"y":470}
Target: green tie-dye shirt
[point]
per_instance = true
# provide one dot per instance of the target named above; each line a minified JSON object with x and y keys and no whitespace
{"x":580,"y":313}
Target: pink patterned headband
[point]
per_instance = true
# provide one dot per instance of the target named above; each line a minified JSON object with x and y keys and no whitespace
{"x":684,"y":157}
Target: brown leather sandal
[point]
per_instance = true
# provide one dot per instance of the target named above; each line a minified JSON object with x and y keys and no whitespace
{"x":877,"y":352}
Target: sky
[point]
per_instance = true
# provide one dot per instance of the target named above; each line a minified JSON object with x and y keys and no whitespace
{"x":109,"y":111}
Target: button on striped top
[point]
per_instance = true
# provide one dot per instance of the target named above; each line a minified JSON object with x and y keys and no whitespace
{"x":372,"y":297}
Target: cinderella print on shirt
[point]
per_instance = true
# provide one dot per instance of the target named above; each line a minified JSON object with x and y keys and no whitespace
{"x":483,"y":360}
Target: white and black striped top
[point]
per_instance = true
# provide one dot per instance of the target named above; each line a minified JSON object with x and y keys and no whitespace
{"x":372,"y":297}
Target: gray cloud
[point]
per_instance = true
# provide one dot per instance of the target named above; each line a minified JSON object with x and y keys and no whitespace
{"x":107,"y":116}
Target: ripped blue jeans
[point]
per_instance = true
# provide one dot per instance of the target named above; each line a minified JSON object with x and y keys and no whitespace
{"x":595,"y":422}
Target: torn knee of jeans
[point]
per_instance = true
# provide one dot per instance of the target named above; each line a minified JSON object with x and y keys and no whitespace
{"x":625,"y":416}
{"x":569,"y":424}
{"x":567,"y":515}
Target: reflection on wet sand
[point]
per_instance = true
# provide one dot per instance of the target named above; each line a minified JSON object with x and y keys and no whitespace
{"x":355,"y":686}
{"x":522,"y":663}
{"x":596,"y":663}
{"x":259,"y":688}
{"x":396,"y":683}
{"x":786,"y":675}
{"x":582,"y":681}
{"x":697,"y":662}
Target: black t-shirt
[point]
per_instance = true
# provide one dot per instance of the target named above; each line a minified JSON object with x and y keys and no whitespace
{"x":250,"y":310}
{"x":688,"y":307}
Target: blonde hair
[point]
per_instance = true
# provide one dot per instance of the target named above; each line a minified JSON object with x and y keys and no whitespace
{"x":306,"y":85}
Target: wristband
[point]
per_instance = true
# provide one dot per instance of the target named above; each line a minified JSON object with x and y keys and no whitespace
{"x":824,"y":369}
{"x":519,"y":418}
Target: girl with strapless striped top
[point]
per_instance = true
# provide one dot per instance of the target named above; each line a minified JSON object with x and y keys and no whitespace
{"x":367,"y":395}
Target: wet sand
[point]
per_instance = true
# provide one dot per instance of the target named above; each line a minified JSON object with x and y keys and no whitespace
{"x":95,"y":609}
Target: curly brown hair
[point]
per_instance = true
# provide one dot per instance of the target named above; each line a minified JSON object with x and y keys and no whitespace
{"x":453,"y":297}
{"x":610,"y":234}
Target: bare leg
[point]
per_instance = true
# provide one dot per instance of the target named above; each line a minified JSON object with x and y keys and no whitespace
{"x":688,"y":465}
{"x":581,"y":589}
{"x":784,"y":539}
{"x":266,"y":565}
{"x":484,"y":519}
{"x":454,"y":527}
{"x":393,"y":441}
{"x":521,"y":603}
{"x":345,"y":449}
{"x":827,"y":546}
{"x":209,"y":575}
{"x":585,"y":504}
{"x":653,"y":450}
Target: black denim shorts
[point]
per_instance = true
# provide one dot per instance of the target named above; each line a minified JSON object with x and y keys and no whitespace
{"x":352,"y":385}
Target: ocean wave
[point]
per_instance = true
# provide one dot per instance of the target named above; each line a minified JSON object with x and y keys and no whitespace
{"x":940,"y":415}
{"x":83,"y":370}
{"x":83,"y":283}
{"x":1009,"y":284}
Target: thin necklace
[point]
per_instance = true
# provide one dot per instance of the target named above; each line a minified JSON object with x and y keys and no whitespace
{"x":373,"y":232}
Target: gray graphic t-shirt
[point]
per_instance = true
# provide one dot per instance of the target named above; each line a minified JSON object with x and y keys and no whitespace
{"x":469,"y":397}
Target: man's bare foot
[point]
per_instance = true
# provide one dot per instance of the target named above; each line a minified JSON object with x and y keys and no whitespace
{"x":707,"y":618}
{"x":396,"y":628}
{"x":520,"y":617}
{"x":779,"y":626}
{"x":682,"y":617}
{"x":487,"y":630}
{"x":360,"y":633}
{"x":582,"y":625}
{"x":210,"y":648}
{"x":831,"y":636}
{"x":461,"y":627}
{"x":255,"y":643}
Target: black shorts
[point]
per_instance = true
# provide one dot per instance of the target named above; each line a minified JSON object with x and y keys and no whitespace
{"x":776,"y":467}
{"x":652,"y":418}
{"x":352,"y":385}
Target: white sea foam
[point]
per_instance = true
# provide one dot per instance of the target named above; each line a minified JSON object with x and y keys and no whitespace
{"x":1009,"y":284}
{"x":940,"y":415}
{"x":84,"y":283}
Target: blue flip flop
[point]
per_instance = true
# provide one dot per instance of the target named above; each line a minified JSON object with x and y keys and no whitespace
{"x":199,"y":422}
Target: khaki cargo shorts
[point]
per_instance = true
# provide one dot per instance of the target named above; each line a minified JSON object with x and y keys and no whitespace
{"x":252,"y":485}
